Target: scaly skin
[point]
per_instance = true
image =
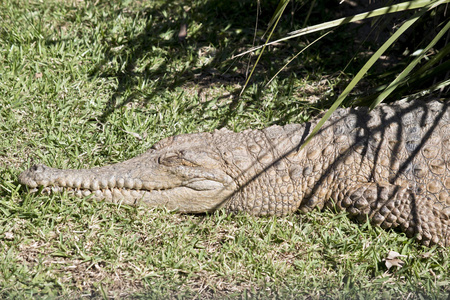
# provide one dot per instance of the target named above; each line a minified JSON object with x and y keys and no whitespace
{"x":390,"y":165}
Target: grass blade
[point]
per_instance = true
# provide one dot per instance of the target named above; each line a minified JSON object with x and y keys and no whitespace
{"x":409,"y":68}
{"x":278,"y":13}
{"x":409,"y":5}
{"x":301,"y":51}
{"x":363,"y":71}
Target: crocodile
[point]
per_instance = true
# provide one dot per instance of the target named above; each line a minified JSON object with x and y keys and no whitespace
{"x":389,"y":165}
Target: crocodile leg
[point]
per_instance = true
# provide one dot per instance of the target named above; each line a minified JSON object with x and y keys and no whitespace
{"x":393,"y":206}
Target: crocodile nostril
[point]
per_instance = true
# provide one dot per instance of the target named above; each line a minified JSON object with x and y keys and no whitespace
{"x":38,"y":168}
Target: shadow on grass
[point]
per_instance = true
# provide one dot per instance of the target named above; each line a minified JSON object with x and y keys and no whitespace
{"x":227,"y":28}
{"x":216,"y":18}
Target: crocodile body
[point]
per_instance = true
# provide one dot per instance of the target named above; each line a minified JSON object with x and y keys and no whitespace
{"x":389,"y":165}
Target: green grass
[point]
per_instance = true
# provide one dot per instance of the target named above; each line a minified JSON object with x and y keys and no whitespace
{"x":84,"y":85}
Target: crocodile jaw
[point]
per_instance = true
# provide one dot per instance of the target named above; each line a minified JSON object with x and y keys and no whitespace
{"x":177,"y":180}
{"x":195,"y":196}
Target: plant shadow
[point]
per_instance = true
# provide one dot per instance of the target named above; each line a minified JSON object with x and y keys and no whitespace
{"x":227,"y":28}
{"x":205,"y":38}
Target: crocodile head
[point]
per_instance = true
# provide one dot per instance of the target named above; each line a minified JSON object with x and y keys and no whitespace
{"x":184,"y":173}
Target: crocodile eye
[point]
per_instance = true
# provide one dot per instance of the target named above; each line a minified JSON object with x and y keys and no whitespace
{"x":174,"y":160}
{"x":168,"y":159}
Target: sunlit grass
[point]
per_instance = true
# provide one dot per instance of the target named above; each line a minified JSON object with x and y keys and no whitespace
{"x":85,"y":84}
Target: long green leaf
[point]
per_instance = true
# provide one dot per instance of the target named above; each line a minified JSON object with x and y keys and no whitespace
{"x":279,"y":13}
{"x":431,"y":89}
{"x":435,"y":59}
{"x":363,"y":71}
{"x":409,"y":5}
{"x":409,"y":68}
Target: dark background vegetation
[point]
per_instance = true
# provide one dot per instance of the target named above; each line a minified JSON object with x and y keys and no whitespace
{"x":229,"y":27}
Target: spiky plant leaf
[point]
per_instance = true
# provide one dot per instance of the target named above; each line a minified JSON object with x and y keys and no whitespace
{"x":409,"y":68}
{"x":422,"y":5}
{"x":404,"y":6}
